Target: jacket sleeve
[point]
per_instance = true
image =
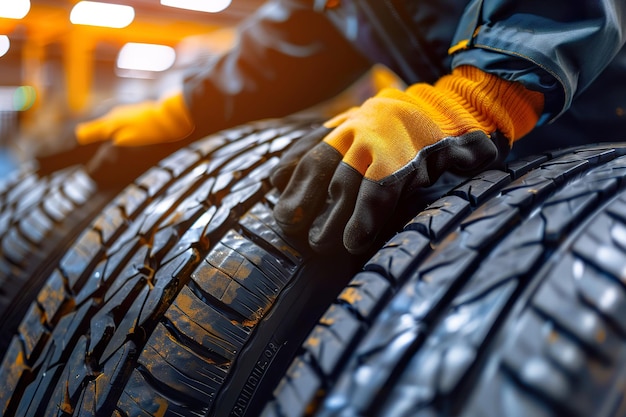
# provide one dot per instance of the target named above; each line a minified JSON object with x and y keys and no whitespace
{"x":557,"y":47}
{"x":287,"y":58}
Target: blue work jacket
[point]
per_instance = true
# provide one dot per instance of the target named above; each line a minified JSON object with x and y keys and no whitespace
{"x":294,"y":53}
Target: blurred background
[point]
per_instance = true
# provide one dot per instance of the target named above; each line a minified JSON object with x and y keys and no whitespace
{"x":64,"y":60}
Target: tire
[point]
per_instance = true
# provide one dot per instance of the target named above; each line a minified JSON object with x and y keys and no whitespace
{"x":46,"y":204}
{"x":180,"y":298}
{"x":506,"y":297}
{"x":39,"y":214}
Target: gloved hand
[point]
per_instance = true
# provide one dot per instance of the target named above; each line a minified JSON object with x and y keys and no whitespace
{"x":346,"y":186}
{"x":144,"y":123}
{"x":291,"y":157}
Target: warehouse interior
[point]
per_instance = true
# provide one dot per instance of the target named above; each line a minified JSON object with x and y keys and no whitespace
{"x":66,"y":60}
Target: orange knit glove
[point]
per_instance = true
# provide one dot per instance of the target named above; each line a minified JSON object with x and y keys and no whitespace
{"x":346,"y":186}
{"x":144,"y":123}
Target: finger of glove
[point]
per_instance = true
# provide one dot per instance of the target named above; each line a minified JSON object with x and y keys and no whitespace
{"x":305,"y":194}
{"x":374,"y":207}
{"x":326,"y":232}
{"x":166,"y":121}
{"x":134,"y":136}
{"x":97,"y":130}
{"x":290,"y":158}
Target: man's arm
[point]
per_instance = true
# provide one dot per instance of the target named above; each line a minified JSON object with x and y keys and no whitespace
{"x":515,"y":65}
{"x":287,"y":58}
{"x":555,"y":47}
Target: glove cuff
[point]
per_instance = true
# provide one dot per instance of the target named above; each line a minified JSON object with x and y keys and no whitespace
{"x":511,"y":107}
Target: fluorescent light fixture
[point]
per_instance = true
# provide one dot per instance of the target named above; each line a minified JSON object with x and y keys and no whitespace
{"x":4,"y":44}
{"x":93,"y":13}
{"x":14,"y":9}
{"x":210,"y":6}
{"x":146,"y":57}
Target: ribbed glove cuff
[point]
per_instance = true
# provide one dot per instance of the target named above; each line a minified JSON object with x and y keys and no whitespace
{"x":512,"y":108}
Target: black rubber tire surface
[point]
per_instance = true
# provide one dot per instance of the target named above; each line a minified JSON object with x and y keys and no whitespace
{"x":46,"y":204}
{"x":506,"y":297}
{"x":180,"y":298}
{"x":39,"y":215}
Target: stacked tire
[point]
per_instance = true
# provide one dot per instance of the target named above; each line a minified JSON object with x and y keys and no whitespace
{"x":504,"y":297}
{"x":37,"y":212}
{"x":179,"y":295}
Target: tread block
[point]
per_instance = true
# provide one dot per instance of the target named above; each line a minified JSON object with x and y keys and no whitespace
{"x":492,"y":216}
{"x":480,"y":187}
{"x":110,"y":382}
{"x":125,"y":265}
{"x":227,"y":334}
{"x":180,"y":161}
{"x":259,"y":225}
{"x":582,"y":323}
{"x":398,"y":254}
{"x":165,"y":284}
{"x":215,"y":283}
{"x":32,"y":330}
{"x":35,"y":226}
{"x":36,"y":398}
{"x":178,"y":370}
{"x":245,"y":263}
{"x":300,"y":382}
{"x":77,"y":373}
{"x":523,"y":165}
{"x":329,"y":340}
{"x":439,"y":217}
{"x":33,"y":197}
{"x":126,"y":316}
{"x":23,"y":187}
{"x":15,"y":248}
{"x":364,"y":293}
{"x":131,"y":199}
{"x":75,"y":262}
{"x":78,"y":188}
{"x":108,"y":223}
{"x":57,"y":206}
{"x":141,"y":400}
{"x":154,"y":181}
{"x":12,"y":374}
{"x":604,"y":295}
{"x":53,"y":297}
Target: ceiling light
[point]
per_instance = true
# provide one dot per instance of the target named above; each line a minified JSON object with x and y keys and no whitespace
{"x":146,"y":57}
{"x":16,"y":98}
{"x":102,"y":14}
{"x":24,"y":97}
{"x":14,"y":9}
{"x":210,"y":6}
{"x":4,"y":44}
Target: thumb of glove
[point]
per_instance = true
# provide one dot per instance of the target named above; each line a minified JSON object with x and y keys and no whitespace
{"x":290,"y":159}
